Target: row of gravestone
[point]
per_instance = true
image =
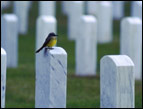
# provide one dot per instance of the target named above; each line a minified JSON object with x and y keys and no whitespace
{"x":84,"y":48}
{"x":117,"y":80}
{"x":102,"y":10}
{"x":49,"y":24}
{"x":118,"y":7}
{"x":51,"y":89}
{"x":130,"y":41}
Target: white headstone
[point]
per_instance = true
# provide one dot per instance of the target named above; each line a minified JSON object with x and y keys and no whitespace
{"x":30,"y":4}
{"x":51,"y":78}
{"x":118,"y":9}
{"x":92,"y":7}
{"x":45,"y":25}
{"x":47,"y":8}
{"x":86,"y":47}
{"x":105,"y":20}
{"x":5,"y":4}
{"x":117,"y":82}
{"x":136,"y":10}
{"x":21,"y":9}
{"x":3,"y":77}
{"x":131,"y":42}
{"x":75,"y":12}
{"x":65,"y":7}
{"x":103,"y":12}
{"x":9,"y":39}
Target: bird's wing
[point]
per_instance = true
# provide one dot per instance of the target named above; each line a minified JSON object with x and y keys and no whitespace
{"x":46,"y":41}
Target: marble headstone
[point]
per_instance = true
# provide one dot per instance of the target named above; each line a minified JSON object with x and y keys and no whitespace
{"x":104,"y":14}
{"x":86,"y":46}
{"x":131,"y":42}
{"x":75,"y":12}
{"x":118,"y":9}
{"x":136,"y":9}
{"x":92,"y":7}
{"x":9,"y":38}
{"x":117,"y":82}
{"x":5,"y":4}
{"x":21,"y":9}
{"x":51,"y":78}
{"x":47,"y":8}
{"x":3,"y":77}
{"x":65,"y":7}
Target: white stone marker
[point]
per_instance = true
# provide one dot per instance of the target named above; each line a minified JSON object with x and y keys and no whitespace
{"x":86,"y":47}
{"x":131,"y":42}
{"x":47,"y":8}
{"x":75,"y":12}
{"x":9,"y":39}
{"x":103,"y":12}
{"x":118,"y":9}
{"x":136,"y":10}
{"x":5,"y":4}
{"x":3,"y":77}
{"x":21,"y":9}
{"x":117,"y":82}
{"x":105,"y":20}
{"x":45,"y":25}
{"x":30,"y":4}
{"x":51,"y":78}
{"x":92,"y":7}
{"x":65,"y":7}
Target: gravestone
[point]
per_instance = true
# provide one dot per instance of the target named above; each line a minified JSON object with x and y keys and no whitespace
{"x":86,"y":47}
{"x":30,"y":4}
{"x":9,"y":38}
{"x":118,"y":9}
{"x":47,"y":8}
{"x":103,"y":12}
{"x":117,"y":82}
{"x":65,"y":7}
{"x":21,"y":9}
{"x":51,"y":78}
{"x":105,"y":20}
{"x":45,"y":25}
{"x":92,"y":7}
{"x":3,"y":77}
{"x":5,"y":4}
{"x":131,"y":42}
{"x":136,"y":9}
{"x":75,"y":12}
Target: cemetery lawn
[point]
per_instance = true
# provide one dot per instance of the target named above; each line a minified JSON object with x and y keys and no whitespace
{"x":81,"y":91}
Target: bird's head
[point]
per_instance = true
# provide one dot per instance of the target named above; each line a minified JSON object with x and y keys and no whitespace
{"x":52,"y":34}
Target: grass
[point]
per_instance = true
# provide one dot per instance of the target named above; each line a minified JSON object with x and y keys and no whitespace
{"x":81,"y":91}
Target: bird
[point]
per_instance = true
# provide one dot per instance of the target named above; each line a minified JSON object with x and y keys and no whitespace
{"x":50,"y":41}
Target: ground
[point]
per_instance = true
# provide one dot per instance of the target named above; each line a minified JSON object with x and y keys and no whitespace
{"x":81,"y":91}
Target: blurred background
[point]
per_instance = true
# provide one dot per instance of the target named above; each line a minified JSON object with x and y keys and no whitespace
{"x":81,"y":91}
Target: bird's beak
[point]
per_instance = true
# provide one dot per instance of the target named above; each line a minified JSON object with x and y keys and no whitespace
{"x":56,"y":35}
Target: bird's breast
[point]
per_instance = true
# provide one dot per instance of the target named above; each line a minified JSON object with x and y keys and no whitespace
{"x":52,"y":42}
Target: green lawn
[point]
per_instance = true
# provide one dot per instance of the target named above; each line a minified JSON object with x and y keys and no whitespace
{"x":81,"y":91}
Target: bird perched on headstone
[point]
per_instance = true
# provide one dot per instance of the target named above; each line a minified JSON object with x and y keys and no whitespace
{"x":50,"y":41}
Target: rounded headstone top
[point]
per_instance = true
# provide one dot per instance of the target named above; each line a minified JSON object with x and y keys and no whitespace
{"x":47,"y":18}
{"x":3,"y":52}
{"x":139,"y":3}
{"x":88,"y":18}
{"x":78,"y":1}
{"x":106,"y":3}
{"x":10,"y":17}
{"x":133,"y":20}
{"x":119,"y":60}
{"x":57,"y":50}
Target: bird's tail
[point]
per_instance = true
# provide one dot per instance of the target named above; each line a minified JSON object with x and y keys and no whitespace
{"x":39,"y":49}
